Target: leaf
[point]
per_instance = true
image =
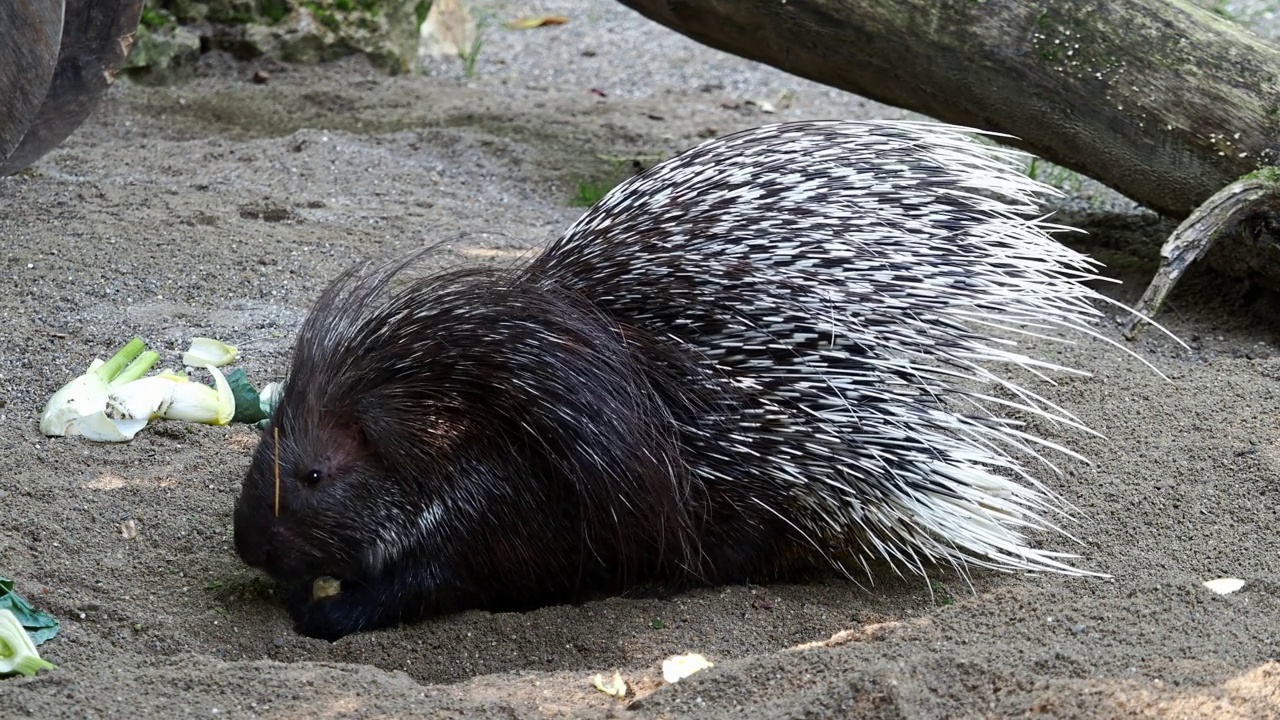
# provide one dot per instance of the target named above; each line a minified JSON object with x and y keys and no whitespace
{"x":528,"y":23}
{"x":248,"y":407}
{"x":679,"y":667}
{"x":39,"y":625}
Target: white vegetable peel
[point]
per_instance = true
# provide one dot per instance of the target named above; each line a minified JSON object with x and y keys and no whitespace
{"x":206,"y":352}
{"x":173,"y":397}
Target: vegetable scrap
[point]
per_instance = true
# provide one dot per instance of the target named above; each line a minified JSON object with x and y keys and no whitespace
{"x":40,"y":625}
{"x":207,"y":351}
{"x":18,"y":654}
{"x":112,"y":401}
{"x":679,"y":667}
{"x":22,"y":627}
{"x":1224,"y":586}
{"x":614,"y":687}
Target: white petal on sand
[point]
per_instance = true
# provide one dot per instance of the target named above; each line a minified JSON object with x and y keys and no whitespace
{"x":679,"y":667}
{"x":1224,"y":586}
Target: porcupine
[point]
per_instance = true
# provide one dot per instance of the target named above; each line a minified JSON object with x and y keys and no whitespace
{"x":762,"y":358}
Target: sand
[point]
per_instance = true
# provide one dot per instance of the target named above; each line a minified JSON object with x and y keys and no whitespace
{"x":220,"y":207}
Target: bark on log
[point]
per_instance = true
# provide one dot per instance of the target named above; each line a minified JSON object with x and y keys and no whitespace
{"x":1162,"y":101}
{"x":1246,"y":209}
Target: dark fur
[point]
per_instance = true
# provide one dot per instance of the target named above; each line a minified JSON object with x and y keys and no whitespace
{"x":551,"y":435}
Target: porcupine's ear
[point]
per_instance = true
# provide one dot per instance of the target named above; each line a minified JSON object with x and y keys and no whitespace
{"x":405,"y":432}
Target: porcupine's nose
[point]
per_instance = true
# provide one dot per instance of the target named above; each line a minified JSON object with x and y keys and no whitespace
{"x":269,"y":551}
{"x":258,"y":538}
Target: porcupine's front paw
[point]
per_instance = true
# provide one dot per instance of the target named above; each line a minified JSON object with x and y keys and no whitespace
{"x":329,"y":612}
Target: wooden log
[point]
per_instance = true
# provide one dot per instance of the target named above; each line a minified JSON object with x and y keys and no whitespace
{"x":1246,"y":211}
{"x":1162,"y":101}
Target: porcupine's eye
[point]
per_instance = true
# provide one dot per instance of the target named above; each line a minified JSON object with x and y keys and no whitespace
{"x":311,"y":478}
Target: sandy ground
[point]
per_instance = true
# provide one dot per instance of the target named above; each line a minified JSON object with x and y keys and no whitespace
{"x":221,"y":207}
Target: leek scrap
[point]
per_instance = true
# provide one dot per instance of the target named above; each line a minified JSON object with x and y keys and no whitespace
{"x":17,"y":653}
{"x":207,"y":351}
{"x":88,"y":393}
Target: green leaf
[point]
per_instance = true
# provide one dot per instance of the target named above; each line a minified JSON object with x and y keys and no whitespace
{"x":39,"y":625}
{"x":248,"y":409}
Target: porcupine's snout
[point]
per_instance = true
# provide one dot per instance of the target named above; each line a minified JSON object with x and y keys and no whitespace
{"x":267,"y":546}
{"x":270,"y":543}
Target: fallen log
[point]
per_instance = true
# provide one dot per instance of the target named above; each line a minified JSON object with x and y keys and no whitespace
{"x":1162,"y":101}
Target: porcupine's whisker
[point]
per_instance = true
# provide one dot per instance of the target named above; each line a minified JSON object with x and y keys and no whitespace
{"x":275,"y":431}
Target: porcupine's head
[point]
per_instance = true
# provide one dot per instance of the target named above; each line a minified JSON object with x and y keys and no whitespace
{"x":317,"y":494}
{"x":455,"y":432}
